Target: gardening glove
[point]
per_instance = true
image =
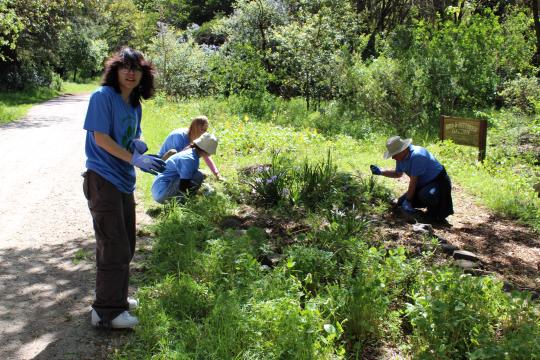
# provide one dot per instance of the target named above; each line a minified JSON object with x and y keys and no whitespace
{"x":139,"y":145}
{"x":153,"y":172}
{"x":407,"y":207}
{"x":401,"y":199}
{"x":375,"y":170}
{"x":148,"y":163}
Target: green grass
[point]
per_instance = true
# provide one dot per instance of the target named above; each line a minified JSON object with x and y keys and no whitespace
{"x":244,"y":141}
{"x":503,"y":182}
{"x":335,"y":294}
{"x":15,"y":104}
{"x":79,"y":88}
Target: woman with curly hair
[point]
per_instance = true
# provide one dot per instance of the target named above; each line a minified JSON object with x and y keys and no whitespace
{"x":113,"y":147}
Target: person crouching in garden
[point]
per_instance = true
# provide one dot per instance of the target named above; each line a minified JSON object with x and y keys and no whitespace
{"x":179,"y":139}
{"x":182,"y":175}
{"x":429,"y":184}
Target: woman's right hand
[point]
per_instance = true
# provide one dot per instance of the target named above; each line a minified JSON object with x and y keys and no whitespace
{"x":375,"y":170}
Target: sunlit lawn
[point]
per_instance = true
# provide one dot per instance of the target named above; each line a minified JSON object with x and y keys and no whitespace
{"x":15,"y":104}
{"x":244,"y":141}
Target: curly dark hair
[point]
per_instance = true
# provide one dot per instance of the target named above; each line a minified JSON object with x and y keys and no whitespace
{"x":131,"y":58}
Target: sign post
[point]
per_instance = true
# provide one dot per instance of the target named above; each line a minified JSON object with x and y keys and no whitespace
{"x":471,"y":132}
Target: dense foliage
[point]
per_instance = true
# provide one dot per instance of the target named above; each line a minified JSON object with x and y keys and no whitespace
{"x":397,"y":64}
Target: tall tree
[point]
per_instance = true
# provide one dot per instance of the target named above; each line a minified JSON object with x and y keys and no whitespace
{"x":534,"y":6}
{"x":380,"y":16}
{"x":32,"y":49}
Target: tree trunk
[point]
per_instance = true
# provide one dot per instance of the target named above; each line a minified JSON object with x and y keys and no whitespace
{"x":536,"y":57}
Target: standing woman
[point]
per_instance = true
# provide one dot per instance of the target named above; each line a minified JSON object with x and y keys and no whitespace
{"x":113,"y":148}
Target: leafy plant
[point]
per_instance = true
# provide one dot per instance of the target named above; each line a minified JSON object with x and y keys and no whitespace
{"x":270,"y":184}
{"x":521,"y":93}
{"x":312,"y":266}
{"x":519,"y":333}
{"x":453,"y":314}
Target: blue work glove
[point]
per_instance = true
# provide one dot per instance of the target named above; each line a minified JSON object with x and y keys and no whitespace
{"x":148,"y":163}
{"x":407,"y":206}
{"x":153,"y":172}
{"x":139,"y":145}
{"x":375,"y":170}
{"x":401,"y":199}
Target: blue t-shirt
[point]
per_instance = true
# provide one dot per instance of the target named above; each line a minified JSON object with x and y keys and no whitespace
{"x":109,"y":114}
{"x":180,"y":166}
{"x":178,"y":139}
{"x":421,"y":163}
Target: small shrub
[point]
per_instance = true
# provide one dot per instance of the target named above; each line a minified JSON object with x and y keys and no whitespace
{"x":316,"y":184}
{"x":228,"y":263}
{"x":312,"y":266}
{"x":181,"y":233}
{"x":521,"y":93}
{"x":519,"y":338}
{"x":270,"y":184}
{"x":183,"y":297}
{"x":453,"y":313}
{"x":370,"y":293}
{"x":56,"y":82}
{"x":225,"y":332}
{"x":283,"y":329}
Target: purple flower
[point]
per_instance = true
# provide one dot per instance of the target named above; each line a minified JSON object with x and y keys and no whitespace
{"x":271,"y":179}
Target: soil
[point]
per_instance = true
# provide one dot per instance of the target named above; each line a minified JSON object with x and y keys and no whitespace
{"x":45,"y":295}
{"x":506,"y":249}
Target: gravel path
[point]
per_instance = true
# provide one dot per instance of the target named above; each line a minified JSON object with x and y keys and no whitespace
{"x":44,"y":222}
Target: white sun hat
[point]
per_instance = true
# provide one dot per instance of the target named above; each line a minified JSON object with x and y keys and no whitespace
{"x":395,"y":145}
{"x":207,"y":142}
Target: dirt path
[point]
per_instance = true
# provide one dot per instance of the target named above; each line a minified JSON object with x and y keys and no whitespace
{"x":506,"y":249}
{"x":44,"y":297}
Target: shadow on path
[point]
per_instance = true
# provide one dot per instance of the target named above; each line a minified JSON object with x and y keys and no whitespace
{"x":47,"y":297}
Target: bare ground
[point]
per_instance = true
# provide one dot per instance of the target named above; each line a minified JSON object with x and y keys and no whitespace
{"x":506,"y":249}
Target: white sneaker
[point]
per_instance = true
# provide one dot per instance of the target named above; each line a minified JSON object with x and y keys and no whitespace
{"x":133,"y":303}
{"x":123,"y":321}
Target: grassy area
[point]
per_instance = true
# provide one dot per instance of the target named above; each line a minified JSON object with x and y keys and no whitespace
{"x":244,"y":141}
{"x":79,"y":88}
{"x":15,"y":104}
{"x":334,"y":291}
{"x":503,"y":182}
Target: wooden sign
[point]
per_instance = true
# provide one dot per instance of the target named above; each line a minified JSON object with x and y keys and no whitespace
{"x":471,"y":132}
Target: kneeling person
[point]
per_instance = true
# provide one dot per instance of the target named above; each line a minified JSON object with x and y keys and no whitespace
{"x":429,"y":184}
{"x":182,"y":173}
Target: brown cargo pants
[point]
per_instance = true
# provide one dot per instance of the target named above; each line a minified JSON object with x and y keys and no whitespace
{"x":113,"y":214}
